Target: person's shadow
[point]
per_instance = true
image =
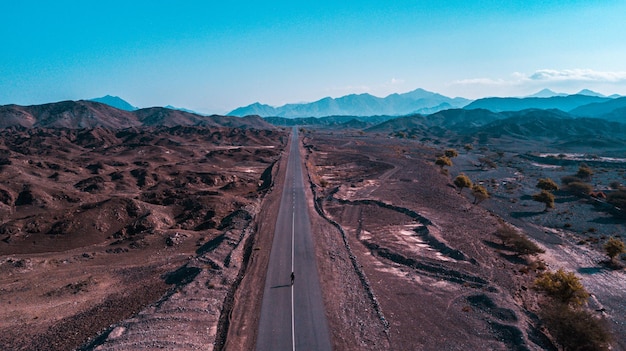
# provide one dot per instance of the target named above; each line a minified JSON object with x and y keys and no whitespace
{"x":280,"y":286}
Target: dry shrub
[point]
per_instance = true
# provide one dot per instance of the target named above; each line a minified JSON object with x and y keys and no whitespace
{"x":566,"y":180}
{"x":617,"y":199}
{"x":614,"y":247}
{"x":517,"y":242}
{"x":563,"y":286}
{"x":579,"y":188}
{"x":575,"y":329}
{"x":324,"y":183}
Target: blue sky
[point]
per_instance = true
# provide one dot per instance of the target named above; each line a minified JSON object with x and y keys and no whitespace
{"x":214,"y":56}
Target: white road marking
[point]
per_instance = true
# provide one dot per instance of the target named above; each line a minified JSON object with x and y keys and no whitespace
{"x":293,"y":332}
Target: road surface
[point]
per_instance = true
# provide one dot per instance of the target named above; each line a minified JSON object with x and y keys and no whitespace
{"x":293,"y":316}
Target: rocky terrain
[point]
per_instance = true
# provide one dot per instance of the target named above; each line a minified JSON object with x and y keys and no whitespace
{"x":428,"y":257}
{"x":151,"y":229}
{"x":92,"y":114}
{"x":100,"y":225}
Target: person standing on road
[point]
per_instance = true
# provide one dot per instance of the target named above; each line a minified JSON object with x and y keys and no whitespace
{"x":292,"y":277}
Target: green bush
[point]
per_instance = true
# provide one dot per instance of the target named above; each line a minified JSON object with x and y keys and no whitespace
{"x":462,"y":181}
{"x":614,"y":247}
{"x":480,"y":193}
{"x":563,"y":286}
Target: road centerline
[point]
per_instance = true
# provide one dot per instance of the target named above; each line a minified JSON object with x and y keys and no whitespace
{"x":293,"y":316}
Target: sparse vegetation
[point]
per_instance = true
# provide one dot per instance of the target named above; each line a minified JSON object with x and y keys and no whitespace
{"x":468,"y":147}
{"x":546,"y":198}
{"x":480,"y":193}
{"x":450,"y":153}
{"x":575,"y":329}
{"x":563,"y":286}
{"x":486,"y":162}
{"x":614,"y":247}
{"x":573,"y":326}
{"x":462,"y":181}
{"x":566,"y":180}
{"x":584,"y":172}
{"x":547,"y":184}
{"x":323,"y":183}
{"x":443,"y":161}
{"x":617,"y":199}
{"x":579,"y":188}
{"x":516,"y":241}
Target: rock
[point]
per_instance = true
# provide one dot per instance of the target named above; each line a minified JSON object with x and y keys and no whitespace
{"x":174,"y":239}
{"x":116,"y":333}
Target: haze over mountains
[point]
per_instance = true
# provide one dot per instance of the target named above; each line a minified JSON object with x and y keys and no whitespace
{"x":114,"y":112}
{"x":416,"y":101}
{"x":421,"y":102}
{"x":563,"y":103}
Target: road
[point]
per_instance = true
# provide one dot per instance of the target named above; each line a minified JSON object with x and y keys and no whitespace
{"x":293,"y":316}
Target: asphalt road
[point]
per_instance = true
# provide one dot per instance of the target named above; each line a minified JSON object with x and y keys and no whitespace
{"x":293,"y":316}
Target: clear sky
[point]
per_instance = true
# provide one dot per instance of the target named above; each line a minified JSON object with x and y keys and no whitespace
{"x":214,"y":56}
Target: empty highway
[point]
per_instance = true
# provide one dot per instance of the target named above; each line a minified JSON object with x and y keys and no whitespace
{"x":293,"y":316}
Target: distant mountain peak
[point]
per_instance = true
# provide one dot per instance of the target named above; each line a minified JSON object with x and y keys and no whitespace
{"x":363,"y":104}
{"x":546,"y":93}
{"x":115,"y":101}
{"x":588,"y":92}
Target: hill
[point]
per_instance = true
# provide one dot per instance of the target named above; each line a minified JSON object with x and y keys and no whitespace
{"x":531,"y":124}
{"x":89,"y":114}
{"x":563,"y":103}
{"x":552,"y":126}
{"x":66,"y":114}
{"x":449,"y":119}
{"x":329,"y":121}
{"x":607,"y":109}
{"x":416,"y":101}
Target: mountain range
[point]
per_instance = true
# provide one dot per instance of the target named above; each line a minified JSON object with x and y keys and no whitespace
{"x":416,"y":101}
{"x":350,"y":111}
{"x":91,"y":114}
{"x":563,"y":103}
{"x":423,"y":102}
{"x":551,"y":127}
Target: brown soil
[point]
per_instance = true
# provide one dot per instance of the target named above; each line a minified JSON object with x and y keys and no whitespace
{"x":427,"y":260}
{"x":146,"y":239}
{"x":99,"y":226}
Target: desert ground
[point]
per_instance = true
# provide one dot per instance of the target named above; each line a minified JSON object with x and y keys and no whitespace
{"x":137,"y":230}
{"x":427,"y":256}
{"x":159,"y":238}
